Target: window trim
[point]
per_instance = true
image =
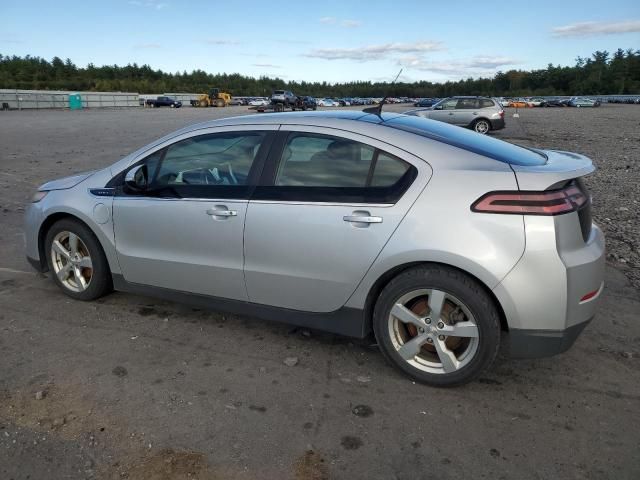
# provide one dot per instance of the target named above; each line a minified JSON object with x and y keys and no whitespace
{"x":204,"y":192}
{"x":266,"y":190}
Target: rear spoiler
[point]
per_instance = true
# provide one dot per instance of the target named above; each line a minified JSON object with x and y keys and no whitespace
{"x":560,"y":166}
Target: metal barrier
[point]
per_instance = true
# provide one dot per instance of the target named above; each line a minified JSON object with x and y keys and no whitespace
{"x":33,"y":99}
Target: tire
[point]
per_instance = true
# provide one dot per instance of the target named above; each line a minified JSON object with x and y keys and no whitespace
{"x":203,"y":103}
{"x":100,"y":282}
{"x":172,"y":106}
{"x":482,"y":126}
{"x":475,"y":312}
{"x":220,"y":103}
{"x":278,"y":107}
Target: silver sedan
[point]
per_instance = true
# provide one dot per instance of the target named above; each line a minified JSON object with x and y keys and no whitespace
{"x":436,"y":239}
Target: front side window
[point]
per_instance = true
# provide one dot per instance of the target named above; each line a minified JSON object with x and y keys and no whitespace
{"x":323,"y":168}
{"x":449,"y":104}
{"x":217,"y":159}
{"x":206,"y":166}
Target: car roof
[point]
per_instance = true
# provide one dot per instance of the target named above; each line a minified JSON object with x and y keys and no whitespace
{"x":317,"y":118}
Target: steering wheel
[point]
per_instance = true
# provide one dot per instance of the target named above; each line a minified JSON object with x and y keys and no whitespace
{"x":228,"y":175}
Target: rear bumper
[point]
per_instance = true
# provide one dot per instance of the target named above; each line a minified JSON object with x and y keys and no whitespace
{"x":554,"y":290}
{"x":542,"y":343}
{"x":497,"y":124}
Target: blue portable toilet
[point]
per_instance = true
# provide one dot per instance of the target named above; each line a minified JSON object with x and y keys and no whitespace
{"x":75,"y":101}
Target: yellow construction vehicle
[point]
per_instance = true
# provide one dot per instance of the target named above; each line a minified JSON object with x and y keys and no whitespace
{"x":215,"y":98}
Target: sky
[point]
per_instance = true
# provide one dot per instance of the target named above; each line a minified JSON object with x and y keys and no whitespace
{"x":333,"y":41}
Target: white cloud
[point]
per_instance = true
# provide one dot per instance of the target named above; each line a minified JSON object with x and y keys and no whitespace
{"x":586,"y":29}
{"x":373,"y":52}
{"x":266,"y":65}
{"x":346,"y":23}
{"x":480,"y":65}
{"x":220,"y":41}
{"x":156,"y":4}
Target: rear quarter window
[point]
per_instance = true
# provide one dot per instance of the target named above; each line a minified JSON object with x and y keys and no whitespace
{"x":485,"y":103}
{"x":467,"y":140}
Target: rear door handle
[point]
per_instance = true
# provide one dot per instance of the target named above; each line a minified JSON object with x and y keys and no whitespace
{"x":362,"y":217}
{"x":221,"y":211}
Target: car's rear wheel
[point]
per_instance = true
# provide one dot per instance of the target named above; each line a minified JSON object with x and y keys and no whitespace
{"x":77,"y":261}
{"x":437,"y":325}
{"x":482,"y":126}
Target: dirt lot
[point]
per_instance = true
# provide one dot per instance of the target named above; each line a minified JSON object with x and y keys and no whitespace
{"x":129,"y":387}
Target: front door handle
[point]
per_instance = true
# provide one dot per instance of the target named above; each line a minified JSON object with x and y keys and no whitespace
{"x":361,"y":218}
{"x":221,"y":211}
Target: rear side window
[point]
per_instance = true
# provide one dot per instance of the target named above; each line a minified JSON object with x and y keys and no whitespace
{"x":323,"y":168}
{"x":485,"y":103}
{"x":388,"y":170}
{"x":468,"y":140}
{"x":318,"y":161}
{"x":467,"y":103}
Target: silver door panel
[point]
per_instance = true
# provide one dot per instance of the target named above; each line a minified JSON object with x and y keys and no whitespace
{"x":182,"y":244}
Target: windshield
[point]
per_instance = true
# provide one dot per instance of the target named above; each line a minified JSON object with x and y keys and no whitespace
{"x":468,"y":140}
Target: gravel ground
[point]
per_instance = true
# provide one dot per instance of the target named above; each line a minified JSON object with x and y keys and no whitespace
{"x":132,"y":387}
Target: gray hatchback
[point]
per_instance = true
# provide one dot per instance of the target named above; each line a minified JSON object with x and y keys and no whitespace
{"x":481,"y":114}
{"x":436,"y":239}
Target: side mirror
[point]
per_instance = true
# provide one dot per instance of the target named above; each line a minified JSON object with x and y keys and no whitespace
{"x":137,"y":179}
{"x":438,"y":107}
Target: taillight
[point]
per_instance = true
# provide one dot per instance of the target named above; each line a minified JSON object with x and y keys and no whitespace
{"x":501,"y":114}
{"x":551,"y":202}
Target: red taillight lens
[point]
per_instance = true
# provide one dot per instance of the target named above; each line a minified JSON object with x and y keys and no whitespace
{"x":501,"y":113}
{"x":552,"y":202}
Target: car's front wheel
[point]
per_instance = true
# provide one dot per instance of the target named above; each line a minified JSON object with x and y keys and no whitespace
{"x":437,"y":325}
{"x":77,"y":261}
{"x":482,"y":126}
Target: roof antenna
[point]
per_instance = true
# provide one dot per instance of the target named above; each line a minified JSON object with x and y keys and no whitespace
{"x":377,"y":109}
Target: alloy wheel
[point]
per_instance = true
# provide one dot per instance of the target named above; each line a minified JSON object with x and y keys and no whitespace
{"x":433,"y":331}
{"x":71,"y":261}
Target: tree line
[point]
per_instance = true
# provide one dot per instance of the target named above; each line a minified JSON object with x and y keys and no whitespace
{"x":600,"y":74}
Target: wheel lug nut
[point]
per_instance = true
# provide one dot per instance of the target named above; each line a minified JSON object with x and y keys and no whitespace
{"x":440,"y":325}
{"x":421,"y":330}
{"x":428,"y":320}
{"x":441,"y":337}
{"x":429,"y":340}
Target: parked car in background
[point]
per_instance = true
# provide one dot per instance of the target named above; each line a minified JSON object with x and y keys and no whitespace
{"x":481,"y":114}
{"x":306,"y":102}
{"x":583,"y":102}
{"x":426,"y":102}
{"x":258,"y":102}
{"x":164,"y":102}
{"x":343,"y":102}
{"x":553,"y":102}
{"x":284,"y":97}
{"x":237,"y":101}
{"x":327,"y":102}
{"x":439,"y":241}
{"x":518,"y":103}
{"x":535,"y":101}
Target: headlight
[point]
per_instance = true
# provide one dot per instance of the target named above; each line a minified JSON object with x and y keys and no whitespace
{"x":39,"y":195}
